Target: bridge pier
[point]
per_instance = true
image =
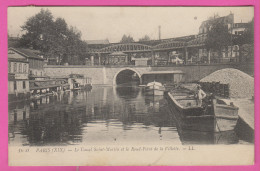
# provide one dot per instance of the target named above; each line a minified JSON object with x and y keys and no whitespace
{"x":92,"y":60}
{"x":153,"y":58}
{"x":99,"y":58}
{"x":186,"y":55}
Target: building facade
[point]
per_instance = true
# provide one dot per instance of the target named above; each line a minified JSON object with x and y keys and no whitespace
{"x":36,"y":62}
{"x":18,"y":77}
{"x":238,"y":28}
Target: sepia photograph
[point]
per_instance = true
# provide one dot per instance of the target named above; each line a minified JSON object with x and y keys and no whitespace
{"x":125,"y":86}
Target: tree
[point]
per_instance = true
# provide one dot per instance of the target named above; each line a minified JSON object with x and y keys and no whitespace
{"x":39,"y":30}
{"x":246,"y":43}
{"x":247,"y":37}
{"x":145,"y":38}
{"x":247,"y":53}
{"x":76,"y":48}
{"x":53,"y":38}
{"x":127,"y":39}
{"x":60,"y":39}
{"x":218,"y":37}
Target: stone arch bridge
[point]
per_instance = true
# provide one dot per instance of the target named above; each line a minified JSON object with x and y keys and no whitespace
{"x":108,"y":75}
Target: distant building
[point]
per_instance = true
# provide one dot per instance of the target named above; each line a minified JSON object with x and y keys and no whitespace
{"x":36,"y":62}
{"x":238,"y":28}
{"x":228,"y":54}
{"x":207,"y":25}
{"x":97,"y":44}
{"x":18,"y":80}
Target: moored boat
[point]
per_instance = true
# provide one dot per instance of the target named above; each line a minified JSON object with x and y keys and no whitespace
{"x":226,"y":115}
{"x":185,"y":105}
{"x":154,"y":88}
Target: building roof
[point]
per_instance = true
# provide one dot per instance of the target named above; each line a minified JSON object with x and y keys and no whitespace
{"x":240,"y":25}
{"x":29,"y":53}
{"x":97,"y":42}
{"x":225,"y":19}
{"x":17,"y":60}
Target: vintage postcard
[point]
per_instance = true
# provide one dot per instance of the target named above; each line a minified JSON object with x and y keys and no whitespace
{"x":130,"y":86}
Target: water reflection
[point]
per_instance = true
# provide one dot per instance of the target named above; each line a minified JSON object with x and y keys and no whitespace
{"x":101,"y":116}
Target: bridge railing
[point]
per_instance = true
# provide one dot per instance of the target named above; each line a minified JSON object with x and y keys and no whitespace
{"x":166,"y":65}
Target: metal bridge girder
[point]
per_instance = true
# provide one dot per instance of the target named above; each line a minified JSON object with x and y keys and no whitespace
{"x":137,"y":47}
{"x":129,"y":47}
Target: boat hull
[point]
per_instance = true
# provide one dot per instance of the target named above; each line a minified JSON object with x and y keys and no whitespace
{"x":213,"y":118}
{"x":226,"y":116}
{"x":155,"y":90}
{"x":187,"y":112}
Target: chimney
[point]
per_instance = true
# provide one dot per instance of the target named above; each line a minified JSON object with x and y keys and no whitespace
{"x":159,"y":32}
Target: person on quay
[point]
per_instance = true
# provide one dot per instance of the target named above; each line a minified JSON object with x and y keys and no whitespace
{"x":200,"y":95}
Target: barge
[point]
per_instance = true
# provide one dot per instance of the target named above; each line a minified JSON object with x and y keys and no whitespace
{"x":184,"y":104}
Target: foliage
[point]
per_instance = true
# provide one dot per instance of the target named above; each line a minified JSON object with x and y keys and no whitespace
{"x":53,"y":38}
{"x":247,"y":53}
{"x":248,"y":35}
{"x":145,"y":38}
{"x":127,"y":39}
{"x":218,"y":36}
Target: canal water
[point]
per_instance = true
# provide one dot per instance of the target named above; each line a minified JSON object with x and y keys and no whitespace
{"x":101,"y":116}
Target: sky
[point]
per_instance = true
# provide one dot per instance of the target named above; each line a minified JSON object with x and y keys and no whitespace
{"x":99,"y":23}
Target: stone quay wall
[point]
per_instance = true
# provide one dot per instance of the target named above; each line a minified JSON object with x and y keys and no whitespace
{"x":107,"y":75}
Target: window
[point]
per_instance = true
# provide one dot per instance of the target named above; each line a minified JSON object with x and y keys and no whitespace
{"x":24,"y":85}
{"x":9,"y":66}
{"x":24,"y":115}
{"x":15,"y":86}
{"x":20,"y":68}
{"x":15,"y":67}
{"x":25,"y":68}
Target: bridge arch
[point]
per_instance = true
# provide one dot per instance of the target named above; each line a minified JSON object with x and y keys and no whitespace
{"x":126,"y":69}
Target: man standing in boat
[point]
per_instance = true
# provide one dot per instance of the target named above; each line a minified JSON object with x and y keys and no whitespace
{"x":200,"y":95}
